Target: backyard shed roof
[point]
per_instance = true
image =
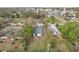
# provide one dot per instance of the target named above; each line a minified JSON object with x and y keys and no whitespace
{"x":38,"y":30}
{"x":54,"y":29}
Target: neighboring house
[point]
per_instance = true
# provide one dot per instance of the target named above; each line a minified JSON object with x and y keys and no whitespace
{"x":38,"y":31}
{"x":54,"y":29}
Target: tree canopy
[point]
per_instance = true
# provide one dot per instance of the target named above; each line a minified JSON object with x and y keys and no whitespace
{"x":27,"y":33}
{"x":70,"y":31}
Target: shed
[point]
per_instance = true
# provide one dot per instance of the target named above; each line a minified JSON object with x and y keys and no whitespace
{"x":38,"y":31}
{"x":54,"y":29}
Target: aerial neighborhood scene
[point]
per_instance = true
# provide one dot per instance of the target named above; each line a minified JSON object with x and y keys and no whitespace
{"x":35,"y":29}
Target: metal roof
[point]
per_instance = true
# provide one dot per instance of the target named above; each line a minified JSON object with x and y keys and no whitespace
{"x":38,"y":30}
{"x":54,"y":29}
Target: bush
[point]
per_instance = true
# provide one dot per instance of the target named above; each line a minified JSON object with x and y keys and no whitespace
{"x":53,"y":43}
{"x":38,"y":46}
{"x":27,"y":33}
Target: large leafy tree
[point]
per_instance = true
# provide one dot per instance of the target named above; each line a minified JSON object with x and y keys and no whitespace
{"x":70,"y":31}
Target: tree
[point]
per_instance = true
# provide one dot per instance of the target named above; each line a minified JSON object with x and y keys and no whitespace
{"x":27,"y":33}
{"x":51,"y":20}
{"x":70,"y":31}
{"x":30,"y":13}
{"x":3,"y":23}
